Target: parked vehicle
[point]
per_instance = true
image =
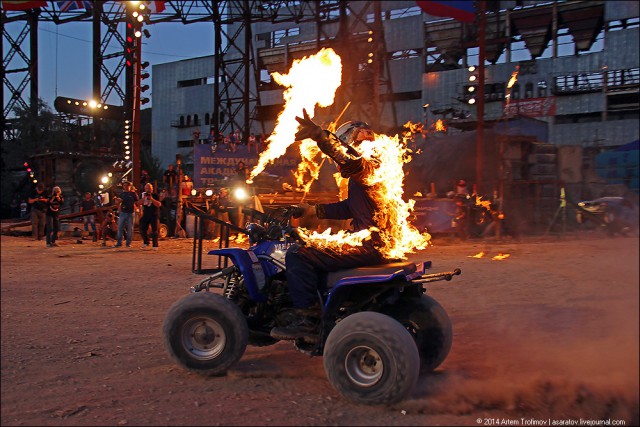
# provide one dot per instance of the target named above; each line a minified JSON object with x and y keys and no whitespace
{"x":378,"y":329}
{"x":617,"y":215}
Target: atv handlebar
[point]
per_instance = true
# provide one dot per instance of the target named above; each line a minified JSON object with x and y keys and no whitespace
{"x":280,"y":216}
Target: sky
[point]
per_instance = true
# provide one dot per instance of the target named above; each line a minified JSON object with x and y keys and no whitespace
{"x":65,"y":54}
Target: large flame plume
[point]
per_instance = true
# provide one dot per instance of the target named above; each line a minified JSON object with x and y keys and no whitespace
{"x":311,"y":81}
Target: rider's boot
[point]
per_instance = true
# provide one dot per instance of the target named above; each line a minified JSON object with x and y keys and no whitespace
{"x":305,"y":323}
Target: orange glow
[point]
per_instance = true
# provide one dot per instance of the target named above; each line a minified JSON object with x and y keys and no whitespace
{"x":500,"y":257}
{"x":478,"y":255}
{"x":440,"y":126}
{"x":303,"y":92}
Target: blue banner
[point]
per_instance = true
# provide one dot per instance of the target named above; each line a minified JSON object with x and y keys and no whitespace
{"x":210,"y":166}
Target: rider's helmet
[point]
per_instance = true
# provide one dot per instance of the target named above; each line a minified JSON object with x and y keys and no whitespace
{"x":352,"y":133}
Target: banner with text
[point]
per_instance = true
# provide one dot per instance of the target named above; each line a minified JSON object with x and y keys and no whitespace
{"x":534,"y":107}
{"x":210,"y":166}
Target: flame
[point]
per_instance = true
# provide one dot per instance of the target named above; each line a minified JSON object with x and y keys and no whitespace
{"x":514,"y":77}
{"x":484,"y":203}
{"x":412,"y":128}
{"x":303,"y":92}
{"x":500,"y":257}
{"x":439,"y":126}
{"x":343,"y":185}
{"x":398,"y":235}
{"x":418,"y":194}
{"x":308,"y":165}
{"x":342,"y":241}
{"x":478,"y":255}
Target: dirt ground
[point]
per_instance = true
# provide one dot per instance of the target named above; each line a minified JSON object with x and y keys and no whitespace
{"x":547,"y":335}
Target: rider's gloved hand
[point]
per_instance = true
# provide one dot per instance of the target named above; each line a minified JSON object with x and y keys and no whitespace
{"x":308,"y":129}
{"x":304,"y":209}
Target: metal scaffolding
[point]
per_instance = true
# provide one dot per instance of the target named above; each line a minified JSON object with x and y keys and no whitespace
{"x":236,"y":95}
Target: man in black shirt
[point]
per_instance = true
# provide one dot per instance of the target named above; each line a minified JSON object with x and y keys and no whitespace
{"x":38,"y":201}
{"x":150,"y":203}
{"x":170,"y":179}
{"x":126,"y":207}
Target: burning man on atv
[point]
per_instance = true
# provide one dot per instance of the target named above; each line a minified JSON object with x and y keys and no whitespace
{"x":306,"y":264}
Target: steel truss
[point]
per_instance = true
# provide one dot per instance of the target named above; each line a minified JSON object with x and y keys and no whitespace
{"x":236,"y":95}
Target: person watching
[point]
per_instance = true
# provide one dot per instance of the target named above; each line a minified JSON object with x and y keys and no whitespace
{"x":126,"y":207}
{"x":53,"y":216}
{"x":38,"y":201}
{"x":150,"y":203}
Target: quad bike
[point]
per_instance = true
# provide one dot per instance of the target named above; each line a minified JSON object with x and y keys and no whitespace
{"x":616,"y":215}
{"x":377,"y":332}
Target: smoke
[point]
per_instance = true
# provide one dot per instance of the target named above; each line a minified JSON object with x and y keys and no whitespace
{"x":581,"y":363}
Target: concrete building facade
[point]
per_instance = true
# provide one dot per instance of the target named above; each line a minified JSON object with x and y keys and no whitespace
{"x":576,"y":64}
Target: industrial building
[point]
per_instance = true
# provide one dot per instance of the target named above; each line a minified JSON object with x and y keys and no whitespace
{"x":575,"y":74}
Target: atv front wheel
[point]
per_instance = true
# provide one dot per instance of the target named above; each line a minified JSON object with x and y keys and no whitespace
{"x":370,"y":358}
{"x":205,"y":333}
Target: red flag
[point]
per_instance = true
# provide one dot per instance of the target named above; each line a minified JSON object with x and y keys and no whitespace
{"x":462,"y":10}
{"x":156,"y":6}
{"x":22,"y":4}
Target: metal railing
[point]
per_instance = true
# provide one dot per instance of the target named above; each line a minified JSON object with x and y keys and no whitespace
{"x":198,"y":236}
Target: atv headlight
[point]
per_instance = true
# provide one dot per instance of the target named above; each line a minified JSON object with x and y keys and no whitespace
{"x":240,"y":194}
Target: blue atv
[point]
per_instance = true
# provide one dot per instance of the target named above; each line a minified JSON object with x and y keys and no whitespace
{"x":377,"y":332}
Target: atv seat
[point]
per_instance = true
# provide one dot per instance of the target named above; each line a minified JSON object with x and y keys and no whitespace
{"x":383,"y":272}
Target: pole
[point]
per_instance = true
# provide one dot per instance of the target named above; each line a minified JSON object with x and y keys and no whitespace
{"x":480,"y":123}
{"x":97,"y":71}
{"x":135,"y":120}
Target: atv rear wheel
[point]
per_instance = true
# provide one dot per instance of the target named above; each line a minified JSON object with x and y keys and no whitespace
{"x":205,"y":333}
{"x":429,"y":325}
{"x":370,"y":358}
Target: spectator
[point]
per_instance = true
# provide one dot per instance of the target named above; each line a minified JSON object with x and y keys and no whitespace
{"x":150,"y":203}
{"x":88,"y":204}
{"x":221,"y":207}
{"x":263,"y":142}
{"x":252,"y":142}
{"x":53,"y":216}
{"x":109,"y":228}
{"x":128,"y":199}
{"x":144,"y":178}
{"x":38,"y":201}
{"x":186,"y":186}
{"x":170,"y":179}
{"x":242,"y":172}
{"x":227,"y":142}
{"x":232,"y":142}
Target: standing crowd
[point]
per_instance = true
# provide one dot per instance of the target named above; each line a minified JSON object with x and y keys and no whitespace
{"x":118,"y":222}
